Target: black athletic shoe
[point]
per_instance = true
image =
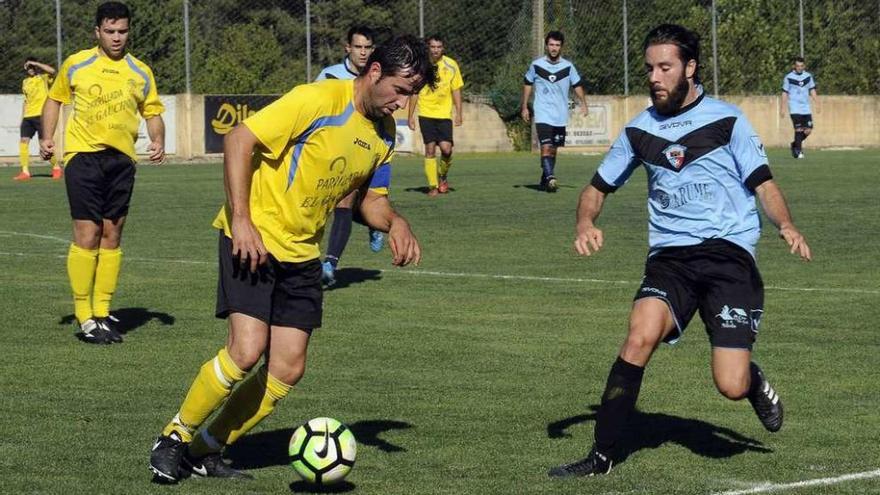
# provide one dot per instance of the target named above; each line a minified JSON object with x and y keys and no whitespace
{"x":593,"y":465}
{"x":93,"y":333}
{"x":794,"y":151}
{"x":165,"y":458}
{"x":213,"y":466}
{"x":767,"y":405}
{"x":109,"y":325}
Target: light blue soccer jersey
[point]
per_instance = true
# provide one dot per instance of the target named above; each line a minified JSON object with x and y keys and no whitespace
{"x":703,"y":166}
{"x":343,"y":70}
{"x":552,"y":83}
{"x":798,"y":87}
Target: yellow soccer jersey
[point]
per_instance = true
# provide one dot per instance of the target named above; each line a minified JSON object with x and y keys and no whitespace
{"x":437,"y":103}
{"x":35,"y":90}
{"x":107,"y":96}
{"x":316,"y":148}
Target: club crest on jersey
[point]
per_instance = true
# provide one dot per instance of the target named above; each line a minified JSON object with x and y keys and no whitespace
{"x":675,"y":154}
{"x":551,"y":78}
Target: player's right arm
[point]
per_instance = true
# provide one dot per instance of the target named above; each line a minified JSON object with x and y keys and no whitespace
{"x":48,"y":122}
{"x":247,"y":244}
{"x":589,"y":238}
{"x":785,"y":87}
{"x":528,"y":81}
{"x":411,"y":121}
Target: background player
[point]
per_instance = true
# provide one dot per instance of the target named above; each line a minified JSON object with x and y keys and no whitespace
{"x":35,"y":88}
{"x":703,"y":229}
{"x":798,"y":89}
{"x":436,"y":117}
{"x":311,"y":148}
{"x":108,"y":88}
{"x":552,"y":76}
{"x":358,"y":47}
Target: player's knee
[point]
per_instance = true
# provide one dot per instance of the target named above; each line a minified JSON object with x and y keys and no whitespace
{"x":245,"y":355}
{"x":807,"y":131}
{"x":732,"y":388}
{"x":289,"y":372}
{"x":639,"y":342}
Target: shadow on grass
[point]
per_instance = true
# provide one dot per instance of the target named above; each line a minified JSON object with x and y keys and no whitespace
{"x":269,"y":448}
{"x":303,"y":487}
{"x":424,"y":189}
{"x":651,"y":430}
{"x":537,"y":187}
{"x":130,"y":319}
{"x":350,"y":276}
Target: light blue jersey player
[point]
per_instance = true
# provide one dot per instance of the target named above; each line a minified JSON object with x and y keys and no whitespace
{"x":705,"y":166}
{"x":358,"y":47}
{"x":552,"y":78}
{"x":798,"y":88}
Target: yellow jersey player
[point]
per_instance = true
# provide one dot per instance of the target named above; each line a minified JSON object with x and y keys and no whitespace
{"x":435,"y":116}
{"x":286,"y":168}
{"x":109,"y":90}
{"x":35,"y":88}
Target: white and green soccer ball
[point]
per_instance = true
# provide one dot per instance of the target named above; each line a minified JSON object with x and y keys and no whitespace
{"x":322,"y":451}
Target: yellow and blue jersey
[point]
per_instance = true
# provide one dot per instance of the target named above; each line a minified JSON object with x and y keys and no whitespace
{"x":437,"y":103}
{"x":108,"y":98}
{"x":35,"y":90}
{"x":703,"y":166}
{"x":315,"y":149}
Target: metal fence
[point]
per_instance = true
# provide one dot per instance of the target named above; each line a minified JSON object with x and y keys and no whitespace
{"x":267,"y":46}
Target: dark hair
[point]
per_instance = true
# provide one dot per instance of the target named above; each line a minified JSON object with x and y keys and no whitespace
{"x":112,"y":11}
{"x":404,"y":54}
{"x":434,"y":37}
{"x":361,"y":30}
{"x":799,"y":59}
{"x":687,"y":41}
{"x":555,"y":35}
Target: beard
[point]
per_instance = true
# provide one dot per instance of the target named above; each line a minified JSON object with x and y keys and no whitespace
{"x":674,"y":98}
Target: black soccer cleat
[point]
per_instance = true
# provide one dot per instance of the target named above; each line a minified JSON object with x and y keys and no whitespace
{"x":794,"y":151}
{"x":767,"y":404}
{"x":109,"y":325}
{"x":212,"y":466}
{"x":92,"y":332}
{"x":594,"y":464}
{"x":165,"y":458}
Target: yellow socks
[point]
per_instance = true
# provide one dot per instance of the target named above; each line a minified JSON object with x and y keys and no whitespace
{"x":211,"y":386}
{"x":431,"y":172}
{"x":81,"y":265}
{"x":445,"y":163}
{"x":252,"y":401}
{"x":24,"y":156}
{"x":106,"y":276}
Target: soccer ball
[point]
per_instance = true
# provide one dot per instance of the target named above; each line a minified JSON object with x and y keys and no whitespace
{"x":322,"y":451}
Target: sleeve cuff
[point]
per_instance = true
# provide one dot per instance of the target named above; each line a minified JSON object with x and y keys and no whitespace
{"x":599,"y":183}
{"x":759,"y":176}
{"x":527,"y":82}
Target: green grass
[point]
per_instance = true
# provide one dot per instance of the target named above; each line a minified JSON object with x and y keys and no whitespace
{"x":455,"y":383}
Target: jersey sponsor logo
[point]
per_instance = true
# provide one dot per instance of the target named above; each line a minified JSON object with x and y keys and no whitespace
{"x":652,"y":149}
{"x":675,"y":154}
{"x":685,"y":194}
{"x":110,"y":71}
{"x":363,"y":144}
{"x":733,"y":317}
{"x":673,"y":125}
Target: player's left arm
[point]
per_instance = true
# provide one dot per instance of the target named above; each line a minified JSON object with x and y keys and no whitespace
{"x":48,"y":69}
{"x":378,"y":213}
{"x":815,"y":100}
{"x":156,"y":131}
{"x":456,"y":100}
{"x":582,"y":96}
{"x":776,"y":209}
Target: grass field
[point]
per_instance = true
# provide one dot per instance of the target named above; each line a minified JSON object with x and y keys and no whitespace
{"x":470,"y":374}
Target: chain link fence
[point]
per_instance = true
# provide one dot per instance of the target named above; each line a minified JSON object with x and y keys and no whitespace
{"x":268,"y":46}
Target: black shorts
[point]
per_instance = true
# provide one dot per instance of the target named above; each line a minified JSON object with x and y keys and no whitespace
{"x":99,"y":185}
{"x":280,"y":293}
{"x":550,"y":134}
{"x":30,"y":126}
{"x":804,"y":121}
{"x":435,"y":130}
{"x":717,"y":277}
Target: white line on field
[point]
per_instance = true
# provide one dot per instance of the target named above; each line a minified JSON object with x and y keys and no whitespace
{"x":429,"y":273}
{"x":777,"y":487}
